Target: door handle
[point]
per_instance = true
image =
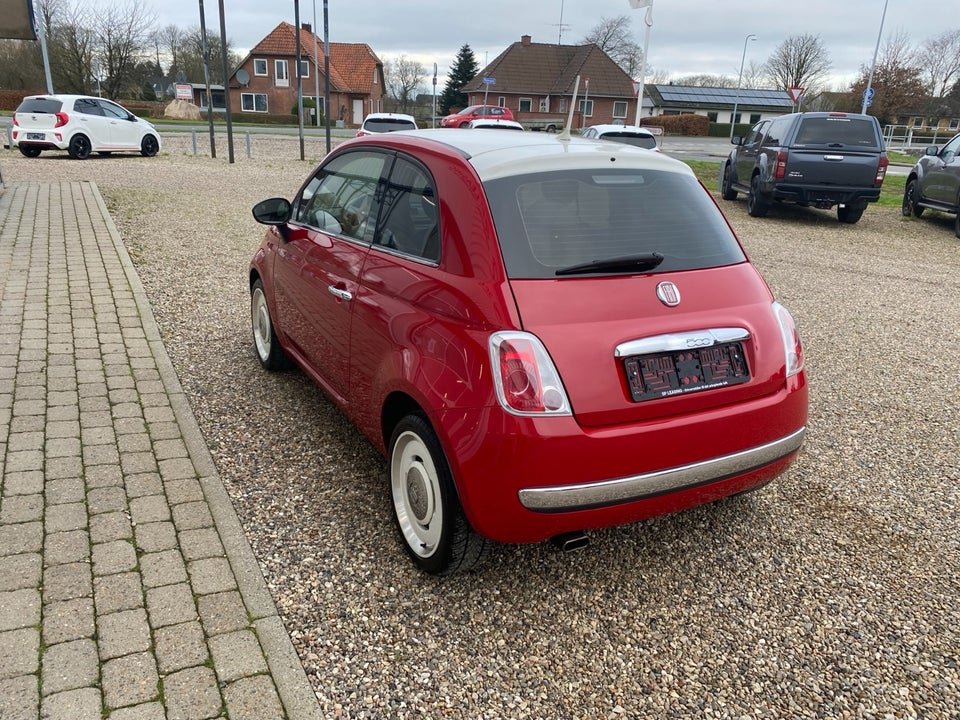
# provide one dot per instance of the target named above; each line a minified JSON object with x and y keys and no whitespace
{"x":340,"y":293}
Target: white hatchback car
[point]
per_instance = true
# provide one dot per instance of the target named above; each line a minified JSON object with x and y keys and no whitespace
{"x":495,"y":124}
{"x":386,"y":122}
{"x":629,"y":134}
{"x":80,"y":125}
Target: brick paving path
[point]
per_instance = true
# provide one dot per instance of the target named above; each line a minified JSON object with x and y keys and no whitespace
{"x":127,"y":588}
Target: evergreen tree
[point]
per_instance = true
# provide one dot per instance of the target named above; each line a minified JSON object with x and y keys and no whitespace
{"x":464,"y":69}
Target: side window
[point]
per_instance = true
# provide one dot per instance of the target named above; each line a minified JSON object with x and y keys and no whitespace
{"x":113,"y":111}
{"x":950,"y":150}
{"x":756,"y":132}
{"x":87,"y":107}
{"x":341,"y":198}
{"x":410,"y":222}
{"x":775,"y":133}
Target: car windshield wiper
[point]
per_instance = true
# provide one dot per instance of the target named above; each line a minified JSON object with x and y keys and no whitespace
{"x":626,"y":264}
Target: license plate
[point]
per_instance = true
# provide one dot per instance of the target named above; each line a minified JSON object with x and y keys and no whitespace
{"x":661,"y":375}
{"x":36,"y":136}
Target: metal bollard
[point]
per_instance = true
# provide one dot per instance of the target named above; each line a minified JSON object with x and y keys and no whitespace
{"x":193,"y":137}
{"x":248,"y":145}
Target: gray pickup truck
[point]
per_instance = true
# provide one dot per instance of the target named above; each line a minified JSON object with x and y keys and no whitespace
{"x":818,"y":159}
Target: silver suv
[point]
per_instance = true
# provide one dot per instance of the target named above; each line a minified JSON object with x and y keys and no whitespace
{"x":934,"y":182}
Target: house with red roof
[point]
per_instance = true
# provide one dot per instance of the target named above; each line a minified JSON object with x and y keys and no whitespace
{"x":266,"y":81}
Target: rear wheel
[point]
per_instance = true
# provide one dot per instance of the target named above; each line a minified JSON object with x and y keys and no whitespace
{"x":29,"y":151}
{"x":757,"y":203}
{"x":910,"y":196}
{"x":726,"y":191}
{"x":265,"y":342}
{"x":465,"y":124}
{"x":848,"y":214}
{"x":428,"y":513}
{"x":79,"y":147}
{"x":149,"y":146}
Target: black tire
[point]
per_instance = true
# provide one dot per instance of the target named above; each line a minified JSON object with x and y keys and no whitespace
{"x":149,"y":146}
{"x":79,"y":147}
{"x":30,"y":151}
{"x":427,"y":510}
{"x":956,"y":221}
{"x":726,"y":191}
{"x":757,"y":203}
{"x":848,"y":214}
{"x":909,"y":205}
{"x":265,"y":342}
{"x":464,"y":124}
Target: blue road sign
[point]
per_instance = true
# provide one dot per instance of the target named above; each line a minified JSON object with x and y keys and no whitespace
{"x":489,"y":81}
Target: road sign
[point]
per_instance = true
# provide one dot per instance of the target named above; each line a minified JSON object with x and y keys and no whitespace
{"x":868,"y":93}
{"x":795,"y":93}
{"x":489,"y":81}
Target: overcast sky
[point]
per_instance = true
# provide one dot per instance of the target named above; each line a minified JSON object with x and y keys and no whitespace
{"x":687,"y":36}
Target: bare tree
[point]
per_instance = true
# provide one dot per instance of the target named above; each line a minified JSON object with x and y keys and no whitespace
{"x":799,"y":61}
{"x":21,"y":67}
{"x":939,"y":57}
{"x":755,"y":76}
{"x":404,"y":78}
{"x":122,"y":32}
{"x":705,"y":80}
{"x":615,"y":37}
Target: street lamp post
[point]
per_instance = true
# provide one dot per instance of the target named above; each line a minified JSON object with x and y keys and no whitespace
{"x":736,"y":98}
{"x":867,"y":94}
{"x":648,"y":23}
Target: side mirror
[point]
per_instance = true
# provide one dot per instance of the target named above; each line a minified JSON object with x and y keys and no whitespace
{"x":736,"y":140}
{"x":274,"y":211}
{"x":932,"y":150}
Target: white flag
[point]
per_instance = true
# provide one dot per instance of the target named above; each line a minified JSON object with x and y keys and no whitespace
{"x":637,"y":4}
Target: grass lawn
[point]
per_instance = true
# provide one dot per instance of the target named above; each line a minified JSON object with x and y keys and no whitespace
{"x":891,"y":194}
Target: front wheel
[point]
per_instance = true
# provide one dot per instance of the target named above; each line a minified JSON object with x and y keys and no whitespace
{"x":909,"y":205}
{"x":757,"y":202}
{"x":848,"y":214}
{"x":428,"y":513}
{"x":726,"y":191}
{"x":79,"y":147}
{"x":149,"y":146}
{"x":265,"y":342}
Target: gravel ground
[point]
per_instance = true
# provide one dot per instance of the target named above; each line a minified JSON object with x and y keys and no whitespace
{"x":830,"y":593}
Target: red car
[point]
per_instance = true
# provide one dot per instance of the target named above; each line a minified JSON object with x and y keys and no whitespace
{"x":476,"y":112}
{"x":543,"y":334}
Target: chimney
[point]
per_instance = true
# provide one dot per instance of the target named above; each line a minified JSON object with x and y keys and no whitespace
{"x":524,"y":39}
{"x":307,"y":26}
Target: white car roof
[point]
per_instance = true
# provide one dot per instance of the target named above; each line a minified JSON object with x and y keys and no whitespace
{"x":504,"y":154}
{"x":636,"y":129}
{"x":389,"y":116}
{"x":494,"y":122}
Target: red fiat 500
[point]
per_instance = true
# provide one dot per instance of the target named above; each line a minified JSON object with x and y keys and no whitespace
{"x":543,"y":334}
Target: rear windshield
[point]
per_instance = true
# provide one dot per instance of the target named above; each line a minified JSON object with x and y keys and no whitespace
{"x":40,"y":105}
{"x":388,"y":125}
{"x":640,"y":141}
{"x":549,"y":221}
{"x":837,"y":130}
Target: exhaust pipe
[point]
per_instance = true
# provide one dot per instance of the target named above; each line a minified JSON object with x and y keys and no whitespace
{"x":570,"y":541}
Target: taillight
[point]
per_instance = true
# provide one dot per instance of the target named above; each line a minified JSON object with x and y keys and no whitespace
{"x":15,"y":123}
{"x":881,"y":170}
{"x":780,"y":169}
{"x":62,"y":119}
{"x":791,"y":339}
{"x":526,"y":380}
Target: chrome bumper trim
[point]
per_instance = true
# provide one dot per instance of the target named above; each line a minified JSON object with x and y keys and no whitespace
{"x":585,"y":496}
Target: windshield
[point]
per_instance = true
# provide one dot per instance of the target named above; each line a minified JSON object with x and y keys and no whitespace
{"x":40,"y":105}
{"x":379,"y":125}
{"x":641,"y":141}
{"x":837,"y":130}
{"x":551,"y":221}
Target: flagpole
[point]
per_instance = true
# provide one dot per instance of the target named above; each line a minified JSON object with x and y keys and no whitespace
{"x":648,"y":21}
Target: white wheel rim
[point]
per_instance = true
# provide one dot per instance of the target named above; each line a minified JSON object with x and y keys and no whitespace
{"x":416,"y":494}
{"x":260,"y":316}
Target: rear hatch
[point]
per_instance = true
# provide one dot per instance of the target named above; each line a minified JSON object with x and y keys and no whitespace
{"x":38,"y":113}
{"x":835,"y":149}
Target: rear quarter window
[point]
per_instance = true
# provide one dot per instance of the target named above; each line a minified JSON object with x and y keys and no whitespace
{"x":40,"y":105}
{"x":837,"y":130}
{"x":548,"y":221}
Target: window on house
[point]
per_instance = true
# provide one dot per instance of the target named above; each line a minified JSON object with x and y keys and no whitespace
{"x":620,"y":109}
{"x":712,"y":116}
{"x":955,"y":123}
{"x":375,"y":75}
{"x":586,"y":107}
{"x":253,"y":102}
{"x":754,"y":118}
{"x":918,"y":122}
{"x":502,"y":101}
{"x":563,"y":105}
{"x":736,"y":119}
{"x":260,"y":67}
{"x":526,"y":104}
{"x":280,"y":72}
{"x":304,"y":68}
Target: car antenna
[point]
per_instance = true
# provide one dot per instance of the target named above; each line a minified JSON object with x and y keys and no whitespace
{"x":565,"y":133}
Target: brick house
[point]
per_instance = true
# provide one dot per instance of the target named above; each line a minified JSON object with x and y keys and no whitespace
{"x":269,"y":81}
{"x":538,"y":79}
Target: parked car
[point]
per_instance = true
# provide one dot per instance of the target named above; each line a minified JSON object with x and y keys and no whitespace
{"x":934,"y":183}
{"x":386,"y":122}
{"x":462,"y":119}
{"x":818,"y":159}
{"x":630,"y":134}
{"x":488,"y":124}
{"x":541,"y":338}
{"x":80,"y":125}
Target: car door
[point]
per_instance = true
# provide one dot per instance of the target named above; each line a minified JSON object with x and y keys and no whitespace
{"x":317,"y":270}
{"x":91,"y":122}
{"x":749,"y":149}
{"x":124,"y":133}
{"x":941,"y":182}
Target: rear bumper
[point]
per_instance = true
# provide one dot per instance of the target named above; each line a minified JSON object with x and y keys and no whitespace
{"x":826,"y":195}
